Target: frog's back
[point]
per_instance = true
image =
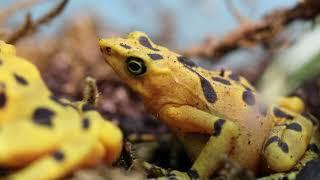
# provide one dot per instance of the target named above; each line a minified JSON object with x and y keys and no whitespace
{"x":19,"y":78}
{"x":231,"y":97}
{"x":227,"y":91}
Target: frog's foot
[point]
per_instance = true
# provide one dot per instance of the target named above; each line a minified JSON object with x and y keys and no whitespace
{"x":182,"y":175}
{"x":163,"y":174}
{"x":292,"y":103}
{"x":277,"y":176}
{"x":309,"y":171}
{"x":288,"y":140}
{"x":153,"y":170}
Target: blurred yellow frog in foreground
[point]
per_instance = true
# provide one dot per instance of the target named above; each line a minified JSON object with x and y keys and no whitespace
{"x":213,"y":113}
{"x":45,"y":136}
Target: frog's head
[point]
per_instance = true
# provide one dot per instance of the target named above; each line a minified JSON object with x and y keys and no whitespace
{"x":137,"y":60}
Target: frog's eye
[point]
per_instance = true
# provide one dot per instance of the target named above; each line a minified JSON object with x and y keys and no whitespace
{"x":136,"y":66}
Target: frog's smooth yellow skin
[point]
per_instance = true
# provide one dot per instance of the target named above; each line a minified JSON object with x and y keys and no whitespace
{"x":214,"y":113}
{"x":43,"y":135}
{"x":18,"y":79}
{"x":67,"y":151}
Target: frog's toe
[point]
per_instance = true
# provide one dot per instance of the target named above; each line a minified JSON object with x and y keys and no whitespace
{"x":163,"y":174}
{"x":153,"y":170}
{"x":177,"y":175}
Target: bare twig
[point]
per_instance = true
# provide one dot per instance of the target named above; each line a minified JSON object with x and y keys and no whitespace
{"x":30,"y":26}
{"x":22,"y":30}
{"x":261,"y":32}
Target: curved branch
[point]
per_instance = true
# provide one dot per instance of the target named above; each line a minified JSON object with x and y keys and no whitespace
{"x":30,"y":26}
{"x":261,"y":32}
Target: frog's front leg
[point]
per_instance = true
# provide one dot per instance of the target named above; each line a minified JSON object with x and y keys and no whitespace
{"x":223,"y":134}
{"x":288,"y":139}
{"x":293,"y":103}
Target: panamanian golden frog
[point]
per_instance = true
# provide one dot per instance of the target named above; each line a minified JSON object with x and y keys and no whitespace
{"x":213,"y":113}
{"x":42,"y":136}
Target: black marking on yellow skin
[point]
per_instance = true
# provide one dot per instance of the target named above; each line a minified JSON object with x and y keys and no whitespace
{"x":21,"y":80}
{"x":234,"y":77}
{"x":283,"y":146}
{"x":146,"y":43}
{"x":43,"y":116}
{"x":221,"y":80}
{"x":217,"y":127}
{"x":155,"y":56}
{"x":280,"y":114}
{"x":186,"y":62}
{"x":271,"y":140}
{"x":85,"y":123}
{"x":314,"y":148}
{"x":126,"y":46}
{"x":58,"y":156}
{"x":295,"y":127}
{"x":207,"y":89}
{"x":248,"y":98}
{"x":3,"y":100}
{"x":193,"y":174}
{"x":1,"y":62}
{"x":88,"y":107}
{"x":263,"y":110}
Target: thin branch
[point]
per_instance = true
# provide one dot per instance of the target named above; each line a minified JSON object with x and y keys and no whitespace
{"x":30,"y":26}
{"x":261,"y":32}
{"x":52,"y":14}
{"x":27,"y":25}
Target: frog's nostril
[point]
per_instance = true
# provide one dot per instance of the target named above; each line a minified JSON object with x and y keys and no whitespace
{"x":106,"y":50}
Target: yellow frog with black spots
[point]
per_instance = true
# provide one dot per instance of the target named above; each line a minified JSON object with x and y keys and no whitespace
{"x":214,"y":113}
{"x":42,"y":136}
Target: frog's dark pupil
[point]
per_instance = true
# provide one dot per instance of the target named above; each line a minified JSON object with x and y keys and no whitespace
{"x":134,"y":66}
